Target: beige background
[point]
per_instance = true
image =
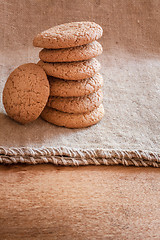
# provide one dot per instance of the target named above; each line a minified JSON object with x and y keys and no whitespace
{"x":127,"y":24}
{"x":130,"y":67}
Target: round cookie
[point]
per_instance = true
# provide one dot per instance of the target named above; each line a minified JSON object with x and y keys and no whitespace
{"x":26,"y":93}
{"x":68,"y":88}
{"x":76,"y":104}
{"x":72,"y":120}
{"x":68,"y":35}
{"x":72,"y":70}
{"x":79,"y":53}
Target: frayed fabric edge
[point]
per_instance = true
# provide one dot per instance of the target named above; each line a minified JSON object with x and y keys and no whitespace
{"x":66,"y":156}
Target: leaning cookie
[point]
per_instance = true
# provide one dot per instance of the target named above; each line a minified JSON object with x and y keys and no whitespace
{"x":72,"y":120}
{"x":26,"y":93}
{"x":79,"y":53}
{"x":68,"y":35}
{"x":72,"y":70}
{"x":76,"y":104}
{"x":68,"y":88}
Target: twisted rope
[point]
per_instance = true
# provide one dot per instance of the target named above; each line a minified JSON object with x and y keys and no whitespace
{"x":76,"y":157}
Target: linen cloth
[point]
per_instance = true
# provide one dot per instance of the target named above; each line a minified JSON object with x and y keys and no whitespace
{"x":129,"y":133}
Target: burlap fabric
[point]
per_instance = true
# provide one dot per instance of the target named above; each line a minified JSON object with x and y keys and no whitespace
{"x":129,"y":134}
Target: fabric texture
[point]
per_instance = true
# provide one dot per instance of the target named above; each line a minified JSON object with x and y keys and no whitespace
{"x":129,"y":133}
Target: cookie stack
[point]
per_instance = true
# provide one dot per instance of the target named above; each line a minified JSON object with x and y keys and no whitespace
{"x":68,"y":58}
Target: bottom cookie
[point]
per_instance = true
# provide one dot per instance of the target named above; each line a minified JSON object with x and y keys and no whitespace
{"x":71,"y":120}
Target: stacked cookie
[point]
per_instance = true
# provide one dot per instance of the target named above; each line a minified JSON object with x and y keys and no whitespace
{"x":68,"y":58}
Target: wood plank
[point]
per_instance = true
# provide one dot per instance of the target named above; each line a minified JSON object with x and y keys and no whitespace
{"x":48,"y":202}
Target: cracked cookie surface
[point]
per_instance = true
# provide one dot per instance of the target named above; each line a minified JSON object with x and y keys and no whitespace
{"x":69,"y":88}
{"x":68,"y":35}
{"x":72,"y":120}
{"x":26,"y":93}
{"x":72,"y":70}
{"x":79,"y":53}
{"x":76,"y":104}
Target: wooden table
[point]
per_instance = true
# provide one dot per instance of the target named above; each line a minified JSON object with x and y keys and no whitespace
{"x":48,"y":202}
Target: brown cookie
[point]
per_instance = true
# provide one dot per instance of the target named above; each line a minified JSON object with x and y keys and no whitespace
{"x":76,"y":104}
{"x":26,"y":93}
{"x":67,"y":88}
{"x":68,"y":35}
{"x":73,"y":120}
{"x":79,"y":53}
{"x":71,"y":70}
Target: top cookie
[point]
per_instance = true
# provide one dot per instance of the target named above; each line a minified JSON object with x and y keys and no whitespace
{"x":68,"y":35}
{"x":26,"y":93}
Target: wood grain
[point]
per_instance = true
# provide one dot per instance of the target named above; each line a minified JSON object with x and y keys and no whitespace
{"x":48,"y":202}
